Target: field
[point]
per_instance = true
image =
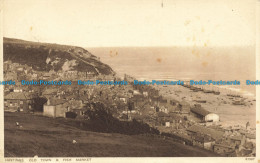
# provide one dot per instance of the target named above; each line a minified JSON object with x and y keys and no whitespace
{"x":48,"y":137}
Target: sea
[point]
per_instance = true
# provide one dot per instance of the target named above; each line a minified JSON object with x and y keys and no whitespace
{"x":184,"y":63}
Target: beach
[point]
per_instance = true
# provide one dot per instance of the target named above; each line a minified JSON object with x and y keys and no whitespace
{"x":230,"y":114}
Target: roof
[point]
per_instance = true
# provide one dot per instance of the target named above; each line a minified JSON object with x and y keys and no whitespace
{"x":56,"y":101}
{"x":236,"y":138}
{"x":167,"y":105}
{"x":135,"y":98}
{"x":83,"y":98}
{"x":17,"y":96}
{"x":30,"y":95}
{"x":199,"y":110}
{"x":182,"y":136}
{"x":50,"y":91}
{"x":224,"y":146}
{"x":76,"y":104}
{"x":250,"y":136}
{"x":173,"y":100}
{"x":136,"y":92}
{"x":206,"y":131}
{"x":184,"y":103}
{"x":245,"y":152}
{"x":162,"y":114}
{"x":202,"y":138}
{"x":163,"y":100}
{"x":122,"y":96}
{"x":66,"y":104}
{"x":71,"y":97}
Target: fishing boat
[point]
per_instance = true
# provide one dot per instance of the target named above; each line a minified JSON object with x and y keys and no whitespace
{"x":238,"y":103}
{"x":201,"y":101}
{"x":207,"y":91}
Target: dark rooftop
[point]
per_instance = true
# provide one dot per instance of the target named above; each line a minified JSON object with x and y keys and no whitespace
{"x":199,"y":110}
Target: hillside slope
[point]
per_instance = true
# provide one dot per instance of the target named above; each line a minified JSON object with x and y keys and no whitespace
{"x":46,"y":57}
{"x":48,"y":137}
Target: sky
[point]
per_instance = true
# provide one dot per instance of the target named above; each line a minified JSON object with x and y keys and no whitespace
{"x":142,"y":23}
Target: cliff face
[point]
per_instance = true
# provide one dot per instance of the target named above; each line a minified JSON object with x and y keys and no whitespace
{"x":46,"y":57}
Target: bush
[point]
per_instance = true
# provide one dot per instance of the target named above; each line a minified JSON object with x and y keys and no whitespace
{"x":100,"y":120}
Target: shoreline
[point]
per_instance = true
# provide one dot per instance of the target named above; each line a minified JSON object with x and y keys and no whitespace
{"x":227,"y":89}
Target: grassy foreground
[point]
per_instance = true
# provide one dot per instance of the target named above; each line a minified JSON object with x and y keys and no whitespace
{"x":48,"y":137}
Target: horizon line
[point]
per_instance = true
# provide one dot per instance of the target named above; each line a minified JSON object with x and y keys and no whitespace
{"x":136,"y":46}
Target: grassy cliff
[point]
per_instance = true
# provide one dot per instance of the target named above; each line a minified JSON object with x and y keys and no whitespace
{"x":45,"y":57}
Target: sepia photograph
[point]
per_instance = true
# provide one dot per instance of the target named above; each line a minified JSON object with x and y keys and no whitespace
{"x":117,"y":78}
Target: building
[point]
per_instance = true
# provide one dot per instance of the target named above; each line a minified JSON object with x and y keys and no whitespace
{"x":250,"y":137}
{"x":145,"y":93}
{"x":203,"y":141}
{"x":167,"y":124}
{"x":164,"y":118}
{"x":174,"y":102}
{"x":10,"y":75}
{"x":122,"y":98}
{"x":18,"y":101}
{"x":90,"y":75}
{"x":203,"y":114}
{"x":56,"y":108}
{"x":237,"y":140}
{"x":223,"y":149}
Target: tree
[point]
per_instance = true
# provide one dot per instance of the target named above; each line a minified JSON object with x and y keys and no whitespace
{"x":38,"y":103}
